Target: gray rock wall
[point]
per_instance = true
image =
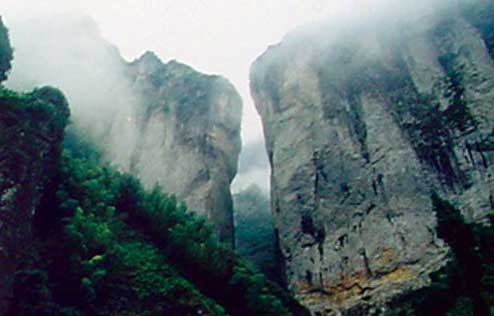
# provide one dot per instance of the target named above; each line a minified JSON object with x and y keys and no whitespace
{"x":188,"y":136}
{"x":361,"y":126}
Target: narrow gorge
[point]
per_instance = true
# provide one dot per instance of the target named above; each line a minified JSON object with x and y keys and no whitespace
{"x":137,"y":186}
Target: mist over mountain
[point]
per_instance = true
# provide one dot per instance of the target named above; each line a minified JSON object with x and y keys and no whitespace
{"x":161,"y":122}
{"x":253,"y":167}
{"x":254,"y":230}
{"x":247,"y":158}
{"x":80,"y":237}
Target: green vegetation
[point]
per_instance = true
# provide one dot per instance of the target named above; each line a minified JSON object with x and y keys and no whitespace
{"x":465,"y":286}
{"x":29,"y":124}
{"x":254,"y":231}
{"x":101,"y":244}
{"x":105,"y":246}
{"x":88,"y":261}
{"x":5,"y":52}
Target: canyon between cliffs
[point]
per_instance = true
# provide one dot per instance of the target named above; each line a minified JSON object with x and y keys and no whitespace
{"x":380,"y":136}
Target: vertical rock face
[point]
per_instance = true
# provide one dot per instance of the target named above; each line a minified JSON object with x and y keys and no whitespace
{"x":165,"y":123}
{"x":361,"y":125}
{"x":31,"y":129}
{"x":188,"y":136}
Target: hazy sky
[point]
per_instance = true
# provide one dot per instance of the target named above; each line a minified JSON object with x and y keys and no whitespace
{"x":214,"y":36}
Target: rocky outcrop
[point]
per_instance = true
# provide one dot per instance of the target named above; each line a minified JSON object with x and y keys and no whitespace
{"x":362,"y":124}
{"x":188,"y":136}
{"x":166,"y":123}
{"x":31,"y":130}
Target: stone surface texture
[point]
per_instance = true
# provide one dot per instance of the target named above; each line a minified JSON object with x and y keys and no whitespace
{"x":362,"y":124}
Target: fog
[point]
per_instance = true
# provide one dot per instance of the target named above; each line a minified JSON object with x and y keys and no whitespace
{"x":253,"y":166}
{"x":62,"y":51}
{"x":67,"y":51}
{"x":214,"y":36}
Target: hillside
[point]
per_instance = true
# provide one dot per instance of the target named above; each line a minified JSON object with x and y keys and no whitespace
{"x":78,"y":237}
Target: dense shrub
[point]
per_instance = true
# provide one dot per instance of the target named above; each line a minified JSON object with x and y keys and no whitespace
{"x":255,"y":237}
{"x":108,"y":247}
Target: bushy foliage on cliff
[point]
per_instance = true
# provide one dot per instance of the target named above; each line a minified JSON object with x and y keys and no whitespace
{"x":29,"y":124}
{"x":5,"y":52}
{"x":31,"y":132}
{"x":254,"y":230}
{"x":465,"y":286}
{"x":105,"y":246}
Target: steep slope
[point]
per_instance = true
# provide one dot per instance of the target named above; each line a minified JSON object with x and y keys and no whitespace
{"x":362,"y":123}
{"x":165,"y":123}
{"x":86,"y":260}
{"x":31,"y":128}
{"x":106,"y":246}
{"x":80,"y":238}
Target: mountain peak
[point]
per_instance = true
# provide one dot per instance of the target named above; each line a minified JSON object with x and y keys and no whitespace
{"x":149,"y":56}
{"x":148,"y":62}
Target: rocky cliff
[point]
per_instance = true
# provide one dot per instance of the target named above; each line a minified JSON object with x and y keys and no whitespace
{"x":166,"y":123}
{"x":362,"y":124}
{"x":188,"y":136}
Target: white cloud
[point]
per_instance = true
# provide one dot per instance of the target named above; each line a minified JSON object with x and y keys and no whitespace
{"x":214,"y":36}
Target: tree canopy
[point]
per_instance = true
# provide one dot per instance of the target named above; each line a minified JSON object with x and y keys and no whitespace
{"x":6,"y":52}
